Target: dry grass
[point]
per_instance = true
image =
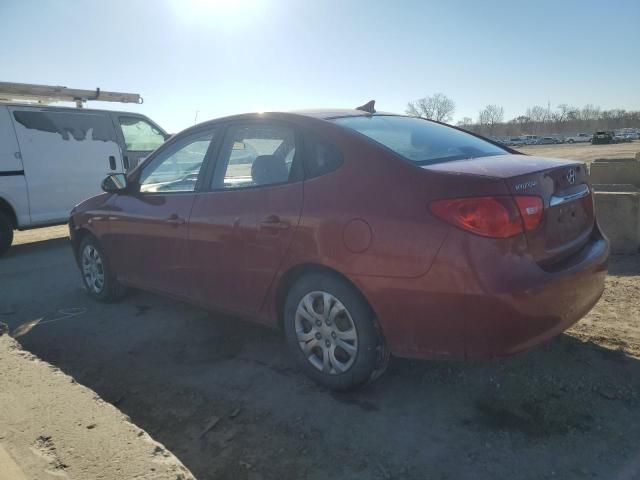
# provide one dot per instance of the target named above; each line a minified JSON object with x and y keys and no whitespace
{"x":584,"y":152}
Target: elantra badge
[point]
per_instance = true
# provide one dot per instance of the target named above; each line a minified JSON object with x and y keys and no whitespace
{"x":523,"y":186}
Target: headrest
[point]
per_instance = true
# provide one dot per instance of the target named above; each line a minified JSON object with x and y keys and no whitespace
{"x":268,"y":169}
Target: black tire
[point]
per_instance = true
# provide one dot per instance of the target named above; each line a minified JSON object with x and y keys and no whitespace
{"x":111,"y":290}
{"x":570,"y":140}
{"x":6,"y":233}
{"x":371,"y":357}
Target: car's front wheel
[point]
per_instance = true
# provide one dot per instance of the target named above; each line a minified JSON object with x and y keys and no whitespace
{"x":97,"y":277}
{"x":332,"y":333}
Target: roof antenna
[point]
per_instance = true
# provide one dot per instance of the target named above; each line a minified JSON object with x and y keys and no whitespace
{"x":368,"y":107}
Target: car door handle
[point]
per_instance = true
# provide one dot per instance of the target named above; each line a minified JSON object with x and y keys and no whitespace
{"x":112,"y":162}
{"x":175,"y":220}
{"x":273,"y":222}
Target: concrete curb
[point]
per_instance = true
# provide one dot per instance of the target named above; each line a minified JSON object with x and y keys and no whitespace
{"x":617,"y":185}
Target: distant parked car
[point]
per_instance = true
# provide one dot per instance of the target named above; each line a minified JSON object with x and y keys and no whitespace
{"x":603,"y":138}
{"x":473,"y":250}
{"x":547,"y":141}
{"x":514,"y":142}
{"x":621,"y":137}
{"x":530,"y":139}
{"x":579,"y":138}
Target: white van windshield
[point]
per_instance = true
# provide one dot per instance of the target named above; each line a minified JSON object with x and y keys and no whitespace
{"x":419,"y":140}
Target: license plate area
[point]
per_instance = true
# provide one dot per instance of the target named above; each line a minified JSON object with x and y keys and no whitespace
{"x":566,"y":222}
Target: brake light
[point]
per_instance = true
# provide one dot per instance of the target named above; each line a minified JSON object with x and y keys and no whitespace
{"x":531,"y":210}
{"x":495,"y":217}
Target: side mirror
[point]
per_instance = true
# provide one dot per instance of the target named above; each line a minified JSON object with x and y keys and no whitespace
{"x":114,"y":182}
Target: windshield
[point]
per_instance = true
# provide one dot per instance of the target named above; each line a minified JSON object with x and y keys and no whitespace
{"x":419,"y":140}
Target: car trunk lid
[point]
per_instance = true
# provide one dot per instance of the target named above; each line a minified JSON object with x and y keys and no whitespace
{"x":565,"y":190}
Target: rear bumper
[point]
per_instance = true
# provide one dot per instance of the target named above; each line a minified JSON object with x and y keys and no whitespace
{"x":519,"y":320}
{"x":481,"y":301}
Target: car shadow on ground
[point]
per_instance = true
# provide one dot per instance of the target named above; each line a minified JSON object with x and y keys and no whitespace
{"x":227,"y":399}
{"x":35,"y":247}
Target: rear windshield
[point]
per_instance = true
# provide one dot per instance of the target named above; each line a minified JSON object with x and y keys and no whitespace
{"x":420,"y":141}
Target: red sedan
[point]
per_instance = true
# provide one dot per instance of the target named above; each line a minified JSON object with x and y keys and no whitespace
{"x":359,"y":234}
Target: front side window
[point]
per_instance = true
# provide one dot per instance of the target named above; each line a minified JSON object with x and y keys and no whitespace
{"x":140,"y":135}
{"x":177,"y":168}
{"x":420,"y":141}
{"x":255,"y":155}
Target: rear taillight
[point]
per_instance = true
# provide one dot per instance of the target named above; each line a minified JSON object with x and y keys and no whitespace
{"x":496,"y":217}
{"x":531,"y":209}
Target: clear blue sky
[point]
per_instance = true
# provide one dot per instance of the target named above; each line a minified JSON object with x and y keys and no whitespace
{"x":220,"y":57}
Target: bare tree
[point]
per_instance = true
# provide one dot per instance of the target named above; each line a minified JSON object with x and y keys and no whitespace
{"x":490,"y":116}
{"x":565,"y":119}
{"x":465,"y":122}
{"x":437,"y":107}
{"x":590,"y":112}
{"x":537,"y":113}
{"x":522,"y":120}
{"x":566,"y":112}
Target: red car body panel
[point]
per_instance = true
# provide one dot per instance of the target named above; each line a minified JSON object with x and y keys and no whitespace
{"x":150,"y":235}
{"x":501,"y":166}
{"x":237,"y":241}
{"x":436,"y":290}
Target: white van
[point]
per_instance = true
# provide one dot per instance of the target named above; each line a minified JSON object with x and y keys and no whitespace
{"x":52,"y":158}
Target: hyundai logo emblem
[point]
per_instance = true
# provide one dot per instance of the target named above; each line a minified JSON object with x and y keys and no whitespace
{"x":571,"y":176}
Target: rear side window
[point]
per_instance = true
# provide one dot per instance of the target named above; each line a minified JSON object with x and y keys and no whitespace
{"x":320,"y":157}
{"x":419,"y":140}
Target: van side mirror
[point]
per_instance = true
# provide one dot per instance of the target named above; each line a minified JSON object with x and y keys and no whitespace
{"x":114,"y":182}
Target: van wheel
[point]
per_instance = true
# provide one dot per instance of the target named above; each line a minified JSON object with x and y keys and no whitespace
{"x":97,"y":277}
{"x":6,"y":233}
{"x":332,"y":333}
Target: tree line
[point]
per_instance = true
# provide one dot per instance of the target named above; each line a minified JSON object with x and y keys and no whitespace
{"x":537,"y":120}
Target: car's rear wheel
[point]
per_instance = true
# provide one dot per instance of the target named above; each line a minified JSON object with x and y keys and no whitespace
{"x":6,"y":233}
{"x":97,"y":277}
{"x":332,"y":332}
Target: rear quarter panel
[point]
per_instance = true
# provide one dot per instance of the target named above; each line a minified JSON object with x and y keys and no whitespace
{"x":388,"y":195}
{"x":388,"y":201}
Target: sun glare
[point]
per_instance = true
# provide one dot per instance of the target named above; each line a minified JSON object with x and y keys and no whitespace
{"x":227,"y":13}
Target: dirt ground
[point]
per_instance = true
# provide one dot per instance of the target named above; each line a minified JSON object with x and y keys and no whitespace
{"x":53,"y":428}
{"x":569,"y":410}
{"x":584,"y":151}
